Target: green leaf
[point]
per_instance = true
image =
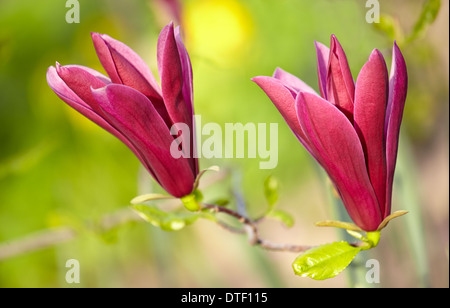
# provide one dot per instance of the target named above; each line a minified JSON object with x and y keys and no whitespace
{"x":271,"y":186}
{"x":371,"y":239}
{"x":198,"y":195}
{"x":149,"y":197}
{"x":221,"y":202}
{"x":357,"y":235}
{"x":429,"y":13}
{"x":286,"y":218}
{"x":167,"y":221}
{"x":325,"y":261}
{"x":390,"y":27}
{"x":207,"y":214}
{"x":390,"y":217}
{"x":202,"y":172}
{"x":338,"y":224}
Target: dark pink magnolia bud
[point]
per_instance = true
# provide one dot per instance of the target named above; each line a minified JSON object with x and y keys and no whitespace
{"x":133,"y":107}
{"x":351,"y":129}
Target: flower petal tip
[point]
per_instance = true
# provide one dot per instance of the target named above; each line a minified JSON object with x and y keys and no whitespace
{"x":169,"y":26}
{"x":319,"y":45}
{"x":97,"y":37}
{"x":375,"y":53}
{"x":256,"y":79}
{"x":277,"y":71}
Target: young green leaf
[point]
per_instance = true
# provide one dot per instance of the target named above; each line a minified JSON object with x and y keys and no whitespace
{"x":390,"y":217}
{"x":429,"y":13}
{"x":271,"y":186}
{"x":325,"y":261}
{"x":338,"y":224}
{"x":149,"y":197}
{"x":390,"y":27}
{"x":201,"y":173}
{"x":286,"y":218}
{"x":167,"y":221}
{"x":221,"y":202}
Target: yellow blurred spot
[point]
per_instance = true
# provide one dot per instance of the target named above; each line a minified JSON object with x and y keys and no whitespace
{"x":220,"y":30}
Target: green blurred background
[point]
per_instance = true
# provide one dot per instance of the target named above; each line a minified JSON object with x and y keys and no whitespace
{"x":58,"y":169}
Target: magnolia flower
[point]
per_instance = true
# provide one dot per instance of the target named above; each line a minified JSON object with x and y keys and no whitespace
{"x":351,"y":129}
{"x":133,"y":107}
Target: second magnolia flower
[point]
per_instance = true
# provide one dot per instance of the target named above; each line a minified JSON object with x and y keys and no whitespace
{"x":133,"y":107}
{"x":351,"y":129}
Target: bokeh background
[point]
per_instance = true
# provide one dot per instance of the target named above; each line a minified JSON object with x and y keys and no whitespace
{"x":58,"y":169}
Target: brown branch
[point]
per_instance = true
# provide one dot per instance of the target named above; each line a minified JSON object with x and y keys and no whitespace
{"x":36,"y":241}
{"x":251,"y":229}
{"x":283,"y":247}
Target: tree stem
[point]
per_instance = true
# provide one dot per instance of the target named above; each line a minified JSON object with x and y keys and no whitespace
{"x":250,"y":228}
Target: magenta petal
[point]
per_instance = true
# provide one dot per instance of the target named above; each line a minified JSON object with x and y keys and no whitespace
{"x":292,"y":81}
{"x":89,"y":70}
{"x":104,"y":55}
{"x":176,"y":82}
{"x":340,"y":84}
{"x":125,"y":66}
{"x":133,"y":114}
{"x":172,"y":77}
{"x":68,"y":96}
{"x":284,"y":100}
{"x":60,"y":87}
{"x":371,"y":96}
{"x":187,"y":71}
{"x":323,"y":53}
{"x":336,"y":144}
{"x":398,"y":86}
{"x":80,"y":81}
{"x":162,"y":38}
{"x":187,"y":92}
